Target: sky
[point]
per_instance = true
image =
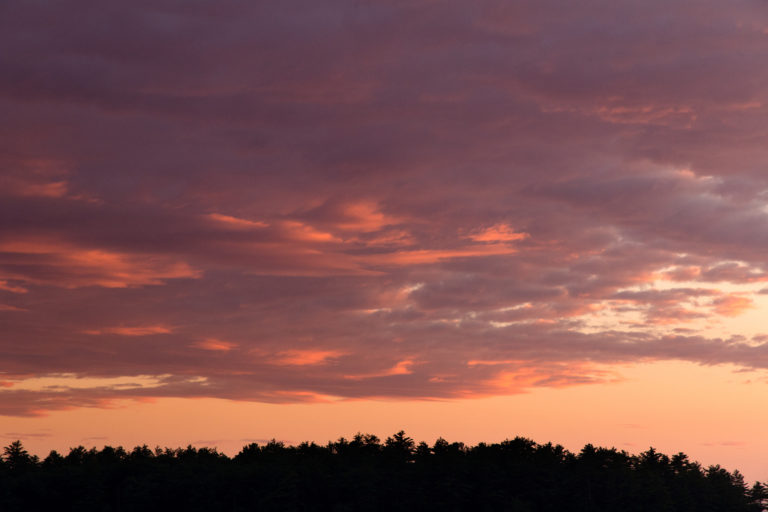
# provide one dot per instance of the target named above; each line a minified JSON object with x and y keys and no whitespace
{"x":225,"y":222}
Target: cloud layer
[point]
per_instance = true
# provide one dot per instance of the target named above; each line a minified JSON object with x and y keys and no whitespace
{"x":293,"y":201}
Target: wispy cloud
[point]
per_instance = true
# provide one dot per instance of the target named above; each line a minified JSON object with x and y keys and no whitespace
{"x":136,"y":330}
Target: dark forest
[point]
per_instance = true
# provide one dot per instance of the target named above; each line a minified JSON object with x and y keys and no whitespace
{"x":364,"y":473}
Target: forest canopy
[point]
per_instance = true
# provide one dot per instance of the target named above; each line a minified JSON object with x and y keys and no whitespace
{"x":365,"y":473}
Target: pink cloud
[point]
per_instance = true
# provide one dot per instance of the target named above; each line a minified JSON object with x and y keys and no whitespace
{"x":434,"y":201}
{"x":305,"y":357}
{"x":523,"y":377}
{"x":732,"y":305}
{"x":9,"y":307}
{"x":136,"y":330}
{"x":58,"y":262}
{"x":364,"y":216}
{"x":400,"y":368}
{"x":235,"y":222}
{"x":215,"y":345}
{"x":497,"y":234}
{"x":4,"y":285}
{"x":51,"y":189}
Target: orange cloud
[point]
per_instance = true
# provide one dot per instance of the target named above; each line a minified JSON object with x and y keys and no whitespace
{"x":141,"y":330}
{"x":306,"y":233}
{"x":499,"y":233}
{"x":670,"y":315}
{"x":60,"y":263}
{"x":51,"y":189}
{"x":38,"y":179}
{"x":421,"y":256}
{"x":401,"y":368}
{"x":301,"y":397}
{"x":215,"y":345}
{"x":399,"y":237}
{"x":365,"y":216}
{"x":8,"y":307}
{"x":10,"y":288}
{"x":305,"y":357}
{"x":524,"y":377}
{"x":235,"y":222}
{"x":732,"y":305}
{"x":682,"y":273}
{"x":647,"y":114}
{"x":490,"y":362}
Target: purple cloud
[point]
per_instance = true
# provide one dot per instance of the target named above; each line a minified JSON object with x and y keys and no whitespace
{"x":299,"y":202}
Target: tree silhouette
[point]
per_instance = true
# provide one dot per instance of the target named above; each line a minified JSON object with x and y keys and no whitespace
{"x":16,"y":457}
{"x":362,"y":473}
{"x":400,"y":446}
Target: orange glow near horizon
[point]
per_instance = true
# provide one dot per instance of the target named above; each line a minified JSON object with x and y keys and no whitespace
{"x":653,"y":404}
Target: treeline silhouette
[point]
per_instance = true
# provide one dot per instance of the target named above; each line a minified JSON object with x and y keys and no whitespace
{"x":363,"y":473}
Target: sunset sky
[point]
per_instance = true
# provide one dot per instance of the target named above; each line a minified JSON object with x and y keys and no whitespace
{"x":223,"y":222}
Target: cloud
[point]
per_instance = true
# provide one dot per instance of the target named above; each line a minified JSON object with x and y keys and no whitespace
{"x":26,"y":435}
{"x":137,"y":330}
{"x":305,"y":357}
{"x":56,"y":262}
{"x":732,"y":305}
{"x":215,"y":345}
{"x":8,"y":307}
{"x":236,"y":223}
{"x":413,"y":200}
{"x":498,"y":233}
{"x":400,"y":368}
{"x":51,"y":189}
{"x":4,"y":285}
